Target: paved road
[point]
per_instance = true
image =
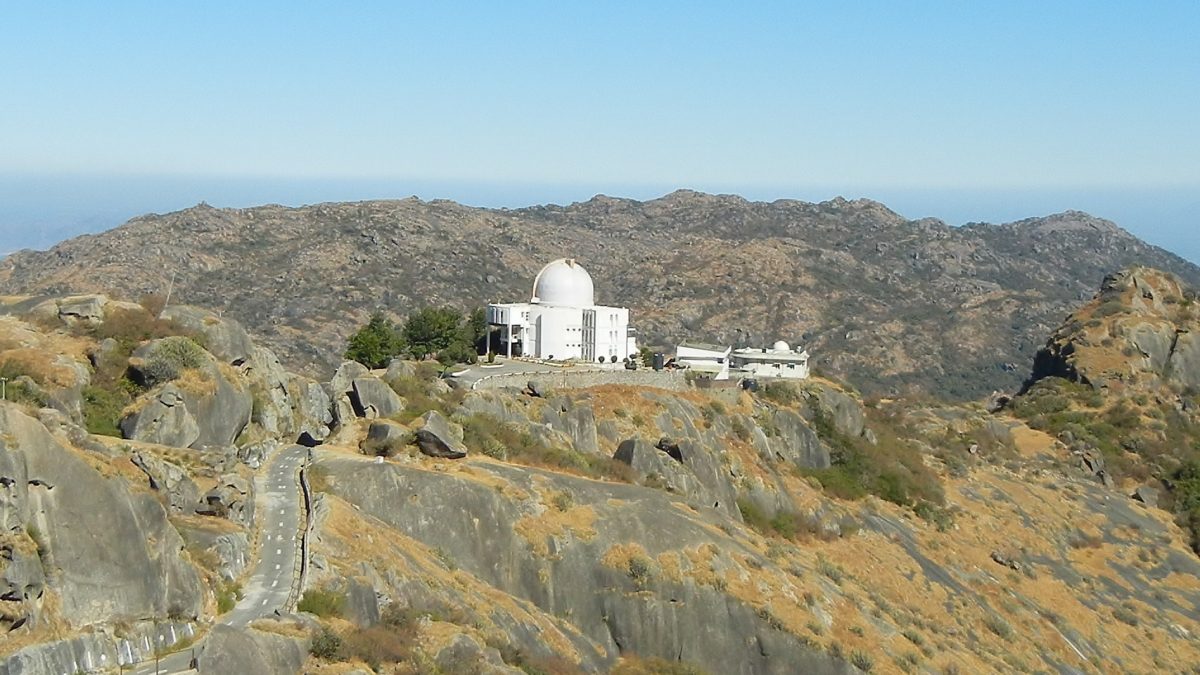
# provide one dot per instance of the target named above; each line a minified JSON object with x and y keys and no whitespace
{"x":280,"y":510}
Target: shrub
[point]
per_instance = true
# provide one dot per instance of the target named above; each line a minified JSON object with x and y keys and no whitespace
{"x":783,"y":393}
{"x":998,"y":625}
{"x":380,"y":645}
{"x":862,"y":660}
{"x":326,"y":645}
{"x":641,"y":569}
{"x":102,"y":410}
{"x":325,"y":603}
{"x":169,"y":358}
{"x":634,"y":665}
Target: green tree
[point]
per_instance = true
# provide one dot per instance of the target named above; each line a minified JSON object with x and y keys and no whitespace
{"x":376,"y":343}
{"x":429,"y":330}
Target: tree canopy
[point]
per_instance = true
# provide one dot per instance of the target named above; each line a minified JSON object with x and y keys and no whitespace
{"x":376,"y":343}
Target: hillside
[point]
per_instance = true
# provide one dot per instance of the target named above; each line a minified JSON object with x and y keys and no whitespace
{"x":605,"y":529}
{"x":888,"y":303}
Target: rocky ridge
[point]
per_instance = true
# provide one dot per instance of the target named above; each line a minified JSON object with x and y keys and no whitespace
{"x":888,"y":303}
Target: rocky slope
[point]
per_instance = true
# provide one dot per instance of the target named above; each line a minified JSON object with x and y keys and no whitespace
{"x":605,"y":529}
{"x":1119,"y":383}
{"x":890,"y":304}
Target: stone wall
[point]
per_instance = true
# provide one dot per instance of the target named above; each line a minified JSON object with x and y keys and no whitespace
{"x":580,"y":379}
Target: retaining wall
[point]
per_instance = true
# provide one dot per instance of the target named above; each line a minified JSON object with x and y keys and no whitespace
{"x":579,"y":379}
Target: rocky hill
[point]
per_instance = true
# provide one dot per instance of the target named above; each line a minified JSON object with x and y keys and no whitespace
{"x":631,"y":530}
{"x":1119,"y":384}
{"x":888,"y":303}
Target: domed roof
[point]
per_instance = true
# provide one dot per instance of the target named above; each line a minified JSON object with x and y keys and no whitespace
{"x":782,"y":346}
{"x":564,"y":282}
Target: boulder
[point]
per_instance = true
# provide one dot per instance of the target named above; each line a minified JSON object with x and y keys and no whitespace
{"x":681,"y":469}
{"x":1147,"y":495}
{"x":245,"y":650}
{"x":438,"y":437}
{"x":86,"y":308}
{"x":255,"y":454}
{"x":182,"y":494}
{"x":464,"y":654}
{"x":232,"y":498}
{"x":796,"y":442}
{"x":164,"y":420}
{"x":576,"y":420}
{"x":223,"y":338}
{"x":383,"y":431}
{"x":1184,"y":364}
{"x":842,"y":411}
{"x":362,"y":605}
{"x":399,"y":368}
{"x":340,"y":388}
{"x":373,"y":398}
{"x":222,"y":413}
{"x":314,"y":413}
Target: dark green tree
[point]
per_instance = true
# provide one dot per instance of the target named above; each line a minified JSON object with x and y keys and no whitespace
{"x":429,"y":330}
{"x":376,"y":343}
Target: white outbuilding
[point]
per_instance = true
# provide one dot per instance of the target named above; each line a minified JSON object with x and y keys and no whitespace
{"x":562,"y":321}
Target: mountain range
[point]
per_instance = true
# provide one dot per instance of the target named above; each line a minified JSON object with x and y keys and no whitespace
{"x":889,"y":304}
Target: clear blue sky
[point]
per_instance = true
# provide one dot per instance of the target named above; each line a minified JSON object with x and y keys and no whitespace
{"x":961,"y":110}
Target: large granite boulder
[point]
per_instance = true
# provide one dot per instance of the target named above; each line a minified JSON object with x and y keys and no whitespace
{"x":439,"y":437}
{"x":314,"y":413}
{"x":795,"y":441}
{"x":373,"y":398}
{"x":340,"y":388}
{"x":575,"y":419}
{"x":164,"y":419}
{"x":245,"y":650}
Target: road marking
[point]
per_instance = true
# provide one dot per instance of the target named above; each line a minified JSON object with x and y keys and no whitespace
{"x":281,"y":524}
{"x":264,"y":602}
{"x":276,"y":565}
{"x":274,"y":583}
{"x":278,"y":551}
{"x":282,"y":511}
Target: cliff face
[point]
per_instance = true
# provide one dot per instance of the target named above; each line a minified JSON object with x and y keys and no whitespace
{"x":888,"y":303}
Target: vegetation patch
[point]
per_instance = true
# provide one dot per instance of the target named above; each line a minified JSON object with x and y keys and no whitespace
{"x":323,"y":602}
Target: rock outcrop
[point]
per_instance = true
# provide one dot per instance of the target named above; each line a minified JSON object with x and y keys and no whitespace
{"x":439,"y":437}
{"x":109,"y":551}
{"x":245,"y":650}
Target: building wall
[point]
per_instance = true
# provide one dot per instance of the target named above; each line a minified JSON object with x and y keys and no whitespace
{"x":582,"y":333}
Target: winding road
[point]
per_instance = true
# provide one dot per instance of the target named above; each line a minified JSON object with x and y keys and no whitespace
{"x":279,"y":510}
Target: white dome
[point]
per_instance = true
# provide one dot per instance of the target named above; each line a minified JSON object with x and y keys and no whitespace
{"x":564,"y":282}
{"x":782,"y":346}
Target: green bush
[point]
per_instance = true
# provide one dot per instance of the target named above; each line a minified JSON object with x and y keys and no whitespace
{"x":325,"y":603}
{"x":169,"y":357}
{"x":783,"y":393}
{"x":102,"y":410}
{"x":326,"y":645}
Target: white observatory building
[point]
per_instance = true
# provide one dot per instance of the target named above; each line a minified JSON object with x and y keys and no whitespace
{"x":562,"y":321}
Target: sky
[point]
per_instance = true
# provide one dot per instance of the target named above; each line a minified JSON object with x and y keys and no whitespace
{"x":967,"y":111}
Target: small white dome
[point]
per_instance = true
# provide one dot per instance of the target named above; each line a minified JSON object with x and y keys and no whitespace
{"x":564,"y":282}
{"x":782,"y":346}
